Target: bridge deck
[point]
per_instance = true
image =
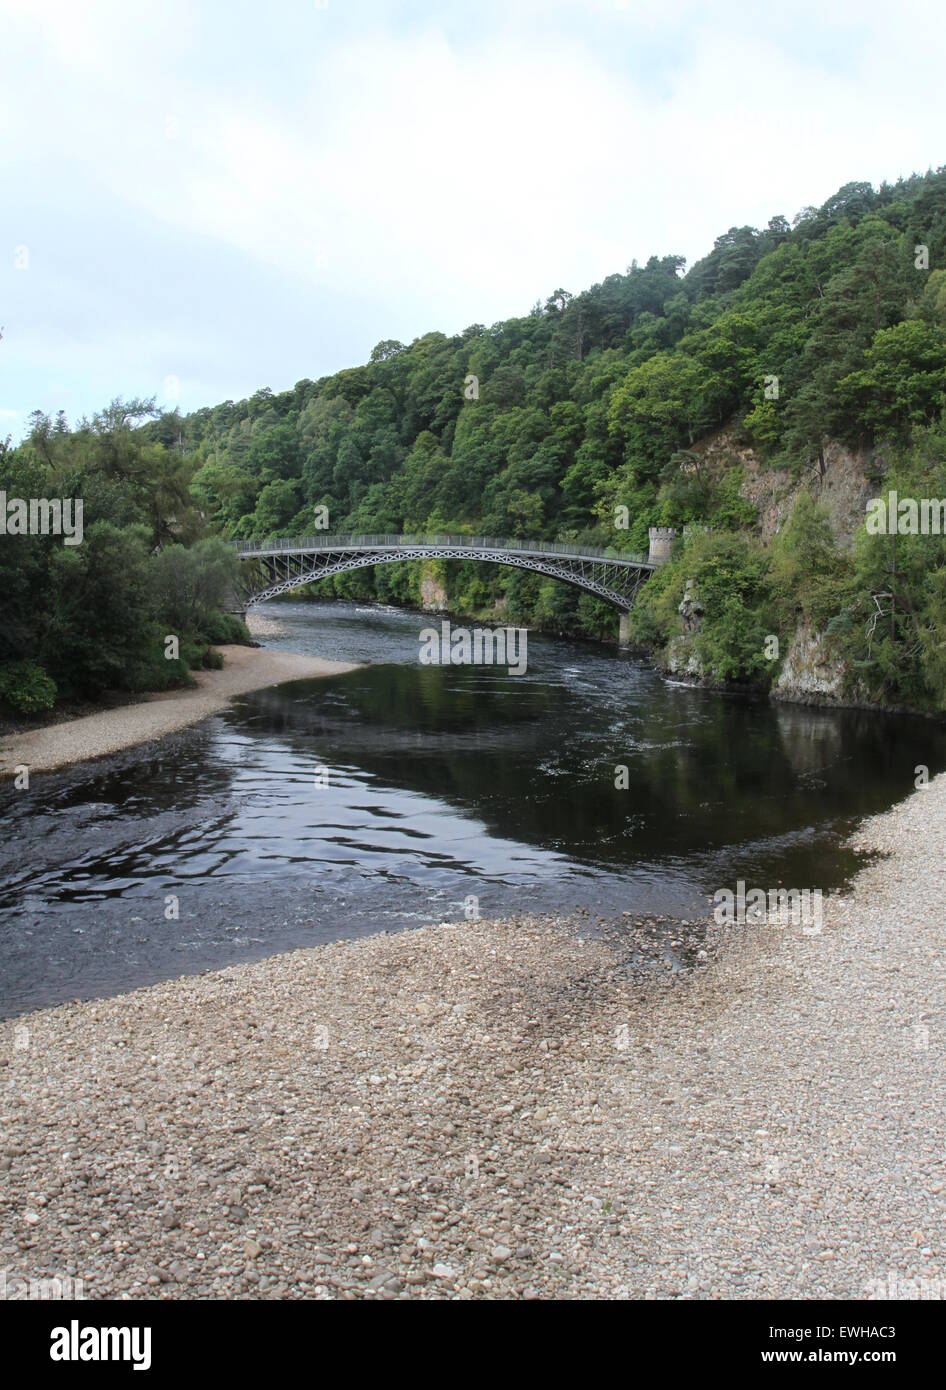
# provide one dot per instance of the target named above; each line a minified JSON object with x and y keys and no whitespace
{"x":475,"y":544}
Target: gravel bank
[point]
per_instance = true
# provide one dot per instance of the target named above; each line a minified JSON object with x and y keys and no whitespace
{"x":109,"y":731}
{"x":510,"y":1108}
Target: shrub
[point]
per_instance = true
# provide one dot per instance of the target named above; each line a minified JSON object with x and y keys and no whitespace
{"x":219,"y":627}
{"x":25,"y":687}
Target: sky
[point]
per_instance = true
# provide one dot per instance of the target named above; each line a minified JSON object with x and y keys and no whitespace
{"x":200,"y":200}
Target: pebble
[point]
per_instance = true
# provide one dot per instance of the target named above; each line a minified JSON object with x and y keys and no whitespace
{"x":503,"y":1111}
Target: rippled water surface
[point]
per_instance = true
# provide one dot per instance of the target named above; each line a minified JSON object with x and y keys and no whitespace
{"x":393,"y":795}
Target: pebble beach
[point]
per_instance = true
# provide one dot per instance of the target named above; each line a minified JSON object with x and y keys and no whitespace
{"x":529,"y":1108}
{"x":112,"y":730}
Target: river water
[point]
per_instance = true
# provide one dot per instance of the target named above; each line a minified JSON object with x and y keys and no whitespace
{"x":402,"y":794}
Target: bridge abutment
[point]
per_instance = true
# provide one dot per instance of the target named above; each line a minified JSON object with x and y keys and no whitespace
{"x":624,"y":630}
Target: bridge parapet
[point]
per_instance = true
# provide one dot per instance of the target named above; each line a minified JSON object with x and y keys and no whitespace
{"x":287,"y":545}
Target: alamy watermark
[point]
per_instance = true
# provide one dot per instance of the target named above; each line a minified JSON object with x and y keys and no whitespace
{"x":42,"y":516}
{"x":22,"y":1288}
{"x":780,"y":907}
{"x":78,"y":1343}
{"x":906,"y":516}
{"x":481,"y":646}
{"x":896,"y":1287}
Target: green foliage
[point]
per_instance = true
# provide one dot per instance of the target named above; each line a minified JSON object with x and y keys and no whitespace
{"x":102,"y":632}
{"x":83,"y":619}
{"x":729,"y":577}
{"x":655,"y":409}
{"x":586,"y":403}
{"x":211,"y":659}
{"x":191,"y":586}
{"x":903,"y":382}
{"x":807,"y":574}
{"x":729,"y":574}
{"x":891,"y":620}
{"x":222,"y":629}
{"x":731,"y":511}
{"x":789,"y":336}
{"x":26,"y":688}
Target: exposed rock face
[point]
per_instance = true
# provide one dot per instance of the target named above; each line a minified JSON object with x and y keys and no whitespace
{"x":810,"y":673}
{"x":691,"y":609}
{"x":433,"y":596}
{"x":682,"y":660}
{"x":844,"y":489}
{"x":771,"y":491}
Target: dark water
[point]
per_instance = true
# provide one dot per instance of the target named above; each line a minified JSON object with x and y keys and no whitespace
{"x":391,"y":796}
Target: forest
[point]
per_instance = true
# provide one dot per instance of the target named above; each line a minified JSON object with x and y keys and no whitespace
{"x":782,"y":341}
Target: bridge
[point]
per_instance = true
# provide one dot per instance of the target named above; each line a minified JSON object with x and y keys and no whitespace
{"x":273,"y":567}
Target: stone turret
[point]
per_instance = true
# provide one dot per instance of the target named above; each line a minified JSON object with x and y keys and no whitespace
{"x":661,"y":539}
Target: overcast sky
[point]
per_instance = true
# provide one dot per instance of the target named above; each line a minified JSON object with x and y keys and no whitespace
{"x":201,"y":199}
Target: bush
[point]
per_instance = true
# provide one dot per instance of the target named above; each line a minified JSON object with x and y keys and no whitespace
{"x":220,"y":627}
{"x":25,"y":687}
{"x":190,"y":586}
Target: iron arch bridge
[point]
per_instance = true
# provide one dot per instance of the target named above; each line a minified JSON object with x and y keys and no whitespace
{"x":274,"y":567}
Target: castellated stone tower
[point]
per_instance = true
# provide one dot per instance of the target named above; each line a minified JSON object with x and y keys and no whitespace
{"x":661,"y":539}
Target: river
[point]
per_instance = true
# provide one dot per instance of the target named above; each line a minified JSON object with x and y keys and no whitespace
{"x":402,"y":794}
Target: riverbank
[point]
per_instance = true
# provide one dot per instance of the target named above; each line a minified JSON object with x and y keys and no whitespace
{"x":514,"y":1108}
{"x":112,"y":730}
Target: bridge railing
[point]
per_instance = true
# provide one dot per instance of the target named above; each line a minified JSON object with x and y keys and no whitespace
{"x":387,"y":542}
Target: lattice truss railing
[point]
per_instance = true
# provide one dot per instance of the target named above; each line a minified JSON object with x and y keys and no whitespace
{"x":270,"y":572}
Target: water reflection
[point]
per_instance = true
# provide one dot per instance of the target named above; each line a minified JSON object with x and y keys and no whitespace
{"x":442,"y":783}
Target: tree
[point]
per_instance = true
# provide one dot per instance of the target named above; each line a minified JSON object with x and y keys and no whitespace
{"x":277,"y":503}
{"x":190,"y":584}
{"x":383,"y":351}
{"x":806,"y":565}
{"x":102,"y":634}
{"x":903,"y":382}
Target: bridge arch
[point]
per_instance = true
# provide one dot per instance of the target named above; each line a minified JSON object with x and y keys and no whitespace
{"x":275,"y":567}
